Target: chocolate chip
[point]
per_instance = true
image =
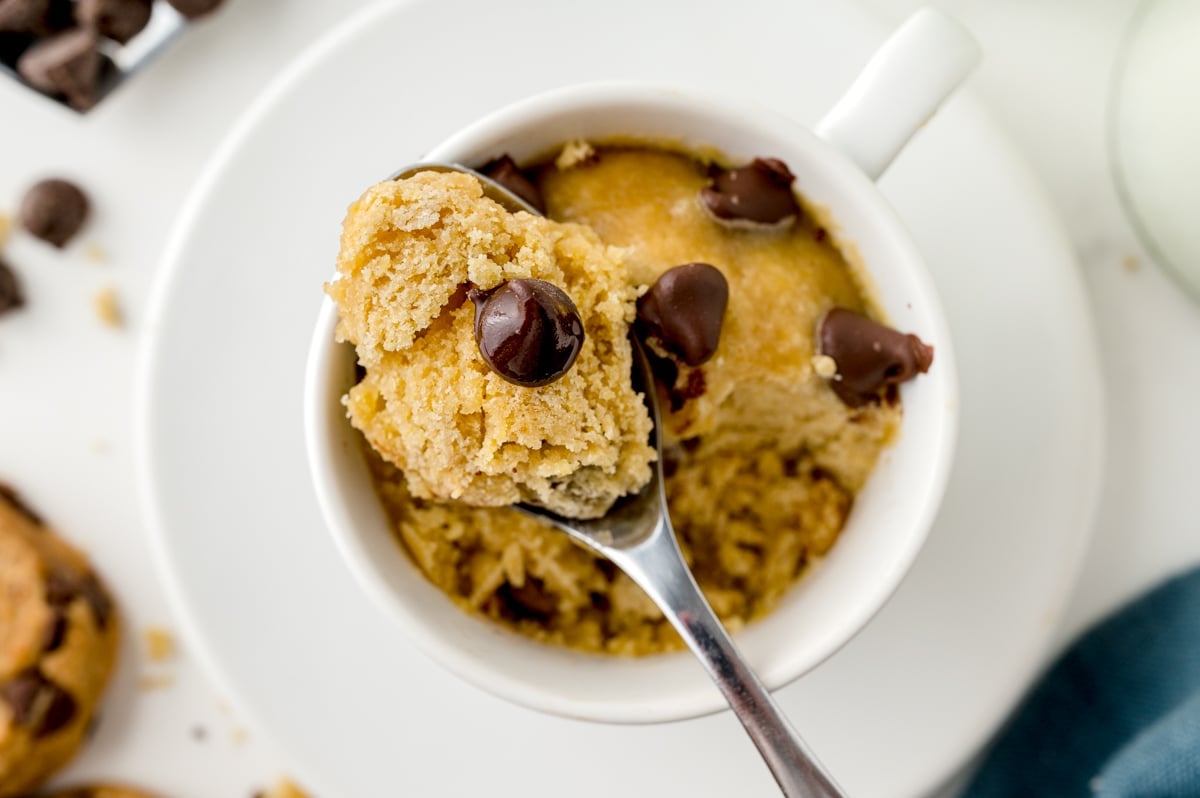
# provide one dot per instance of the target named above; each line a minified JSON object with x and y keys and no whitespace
{"x":530,"y":601}
{"x":14,"y":500}
{"x":66,"y":65}
{"x":504,"y":170}
{"x":62,"y":588}
{"x":54,"y":210}
{"x":684,"y":309}
{"x":37,"y":703}
{"x":527,"y":330}
{"x":10,"y":290}
{"x":195,"y":8}
{"x":599,"y":601}
{"x":869,"y":356}
{"x":36,"y":18}
{"x":760,"y":193}
{"x":695,"y":386}
{"x":56,"y":630}
{"x":119,"y":20}
{"x":23,"y":16}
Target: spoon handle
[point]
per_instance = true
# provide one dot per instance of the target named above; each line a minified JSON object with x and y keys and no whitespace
{"x":657,"y":566}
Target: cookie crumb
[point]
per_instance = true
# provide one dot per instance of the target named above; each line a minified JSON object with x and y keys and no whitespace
{"x":283,"y":788}
{"x":108,"y":308}
{"x":239,"y":735}
{"x":5,"y":228}
{"x":160,"y":645}
{"x":95,"y":254}
{"x":574,"y":153}
{"x":824,"y":365}
{"x":1131,"y":264}
{"x":155,"y":681}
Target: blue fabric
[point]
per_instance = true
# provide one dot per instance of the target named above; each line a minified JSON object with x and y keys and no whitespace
{"x":1117,"y":716}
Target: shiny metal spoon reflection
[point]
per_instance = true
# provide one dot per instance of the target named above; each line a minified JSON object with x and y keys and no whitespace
{"x":636,"y":536}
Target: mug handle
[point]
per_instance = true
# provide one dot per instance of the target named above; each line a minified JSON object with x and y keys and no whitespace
{"x":900,"y":89}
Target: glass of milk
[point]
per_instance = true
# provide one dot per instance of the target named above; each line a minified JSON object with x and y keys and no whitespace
{"x":1154,"y":133}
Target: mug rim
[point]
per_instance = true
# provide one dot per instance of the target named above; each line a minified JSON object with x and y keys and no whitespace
{"x":565,"y":102}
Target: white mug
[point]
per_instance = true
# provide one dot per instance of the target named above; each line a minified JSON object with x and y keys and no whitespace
{"x":835,"y":166}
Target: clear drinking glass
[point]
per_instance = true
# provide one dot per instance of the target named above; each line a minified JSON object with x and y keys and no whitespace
{"x":1154,"y":133}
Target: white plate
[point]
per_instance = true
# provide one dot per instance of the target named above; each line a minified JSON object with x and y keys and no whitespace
{"x":255,"y":576}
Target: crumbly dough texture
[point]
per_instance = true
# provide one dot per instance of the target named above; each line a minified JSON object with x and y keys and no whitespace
{"x":761,"y":466}
{"x":430,"y":405}
{"x":34,"y":563}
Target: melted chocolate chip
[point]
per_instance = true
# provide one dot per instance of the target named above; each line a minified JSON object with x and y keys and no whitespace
{"x":599,"y":601}
{"x":504,"y":170}
{"x":119,"y":20}
{"x":870,"y":357}
{"x":695,"y":386}
{"x":62,"y":588}
{"x":684,"y":310}
{"x":54,"y":210}
{"x":531,"y":601}
{"x":37,"y":703}
{"x":760,"y":192}
{"x":66,"y":66}
{"x":56,"y":630}
{"x":528,"y":331}
{"x":11,"y":297}
{"x":7,"y":494}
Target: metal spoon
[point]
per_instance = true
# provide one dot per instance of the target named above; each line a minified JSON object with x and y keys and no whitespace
{"x":636,"y":536}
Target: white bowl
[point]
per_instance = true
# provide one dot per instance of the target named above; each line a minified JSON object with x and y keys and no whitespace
{"x":835,"y":599}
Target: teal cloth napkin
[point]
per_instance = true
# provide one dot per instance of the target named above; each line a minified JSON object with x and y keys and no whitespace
{"x":1117,"y":716}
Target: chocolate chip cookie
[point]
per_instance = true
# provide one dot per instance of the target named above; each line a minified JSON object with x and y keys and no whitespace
{"x":58,"y":638}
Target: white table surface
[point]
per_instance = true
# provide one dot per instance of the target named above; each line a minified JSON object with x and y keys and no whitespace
{"x":65,"y":380}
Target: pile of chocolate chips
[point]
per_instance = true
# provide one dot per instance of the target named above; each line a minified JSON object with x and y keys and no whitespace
{"x":56,"y":45}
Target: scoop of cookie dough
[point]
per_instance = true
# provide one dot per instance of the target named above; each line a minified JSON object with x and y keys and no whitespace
{"x":58,"y":638}
{"x":411,"y":252}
